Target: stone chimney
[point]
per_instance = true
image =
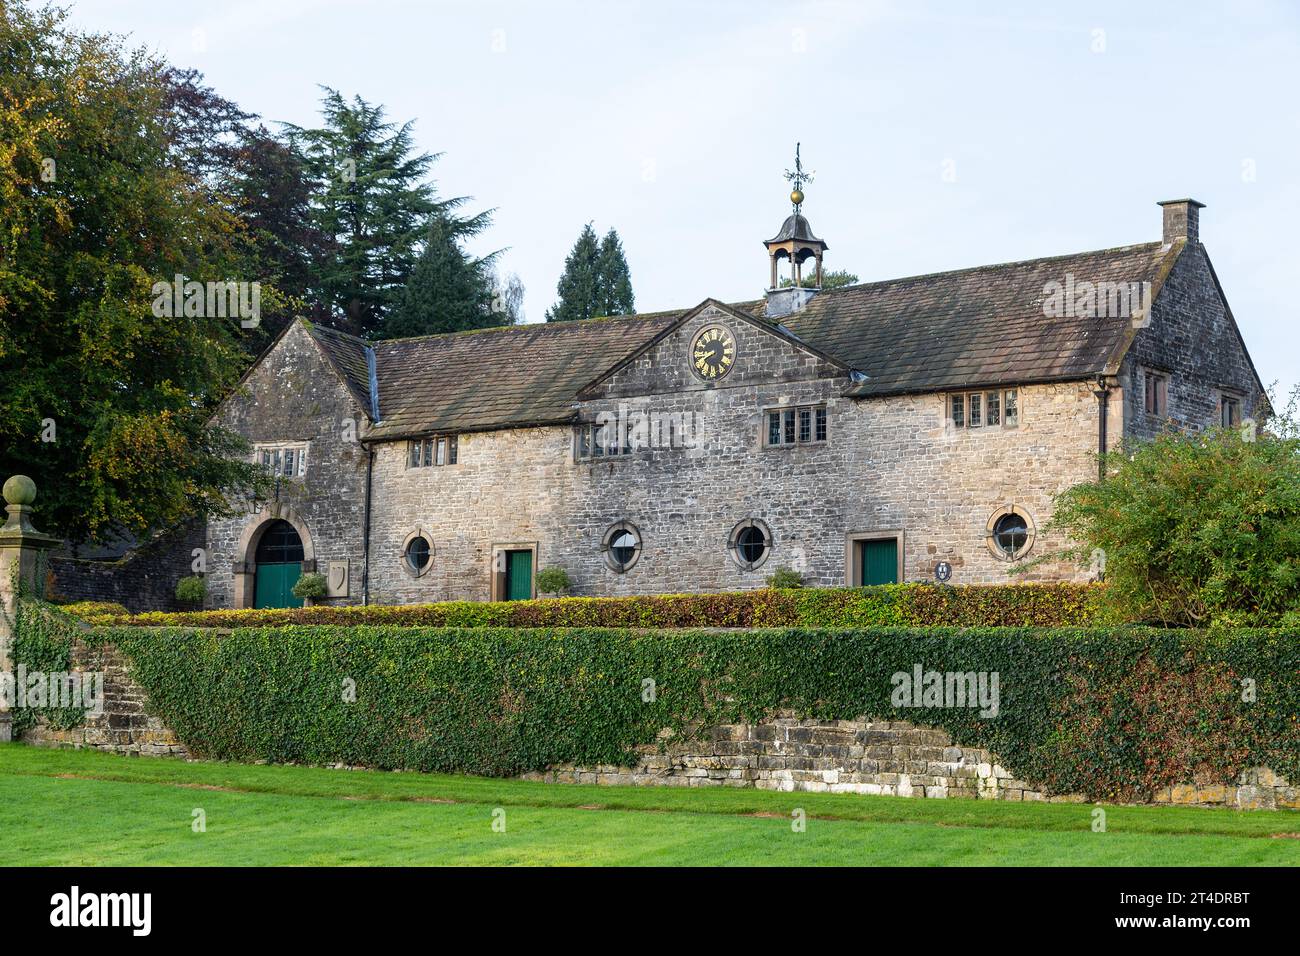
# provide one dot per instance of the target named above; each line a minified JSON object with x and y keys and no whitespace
{"x":1182,"y":220}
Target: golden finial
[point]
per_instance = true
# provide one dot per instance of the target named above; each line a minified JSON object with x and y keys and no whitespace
{"x":797,"y":178}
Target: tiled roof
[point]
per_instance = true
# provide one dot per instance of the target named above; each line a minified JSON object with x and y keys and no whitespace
{"x":981,"y":326}
{"x":348,"y":353}
{"x":974,"y":326}
{"x":520,"y":375}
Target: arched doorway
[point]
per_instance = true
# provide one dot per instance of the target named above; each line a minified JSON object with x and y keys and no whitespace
{"x":278,"y":565}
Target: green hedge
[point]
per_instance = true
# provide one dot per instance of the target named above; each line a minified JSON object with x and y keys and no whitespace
{"x":921,"y":605}
{"x":1111,"y":713}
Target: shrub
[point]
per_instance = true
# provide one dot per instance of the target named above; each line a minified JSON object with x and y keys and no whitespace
{"x":95,"y":612}
{"x":191,"y":589}
{"x":310,"y":585}
{"x":553,"y":580}
{"x":1045,"y":605}
{"x":785,"y":578}
{"x":1113,"y":713}
{"x":1194,"y":530}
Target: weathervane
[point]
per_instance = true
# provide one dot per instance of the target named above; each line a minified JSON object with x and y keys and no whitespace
{"x":797,"y":179}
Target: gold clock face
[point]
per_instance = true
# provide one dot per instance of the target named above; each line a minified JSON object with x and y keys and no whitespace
{"x":713,"y":353}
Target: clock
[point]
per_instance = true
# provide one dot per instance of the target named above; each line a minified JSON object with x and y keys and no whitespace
{"x":713,"y":352}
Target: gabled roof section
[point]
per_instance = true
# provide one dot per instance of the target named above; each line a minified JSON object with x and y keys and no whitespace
{"x":509,"y":377}
{"x":744,"y":314}
{"x":353,"y":360}
{"x":982,"y":326}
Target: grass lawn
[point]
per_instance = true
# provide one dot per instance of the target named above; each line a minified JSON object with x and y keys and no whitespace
{"x":63,"y":807}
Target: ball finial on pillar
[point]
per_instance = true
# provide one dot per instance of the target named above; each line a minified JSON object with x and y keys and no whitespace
{"x":20,"y":490}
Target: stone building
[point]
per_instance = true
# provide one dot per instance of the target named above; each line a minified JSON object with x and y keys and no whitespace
{"x":856,"y":435}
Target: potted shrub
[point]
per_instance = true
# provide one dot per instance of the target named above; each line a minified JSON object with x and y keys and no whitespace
{"x":553,"y":581}
{"x":785,"y":578}
{"x":310,"y":587}
{"x":191,"y":590}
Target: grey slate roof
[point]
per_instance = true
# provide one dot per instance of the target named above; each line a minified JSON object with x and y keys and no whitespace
{"x":348,"y":355}
{"x":970,"y":327}
{"x":981,"y":326}
{"x":521,"y":375}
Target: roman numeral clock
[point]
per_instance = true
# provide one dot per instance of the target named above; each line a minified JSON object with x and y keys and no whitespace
{"x":713,"y":352}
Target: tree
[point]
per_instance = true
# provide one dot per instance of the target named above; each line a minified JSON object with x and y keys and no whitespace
{"x":266,"y":185}
{"x":447,"y":291}
{"x":508,"y":298}
{"x":613,"y":279}
{"x":1194,"y":529}
{"x":596,"y":280}
{"x":372,"y":205}
{"x":103,"y":401}
{"x":578,"y":288}
{"x":830,"y":280}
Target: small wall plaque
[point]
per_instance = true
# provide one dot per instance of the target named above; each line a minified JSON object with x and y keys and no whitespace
{"x":336,"y":579}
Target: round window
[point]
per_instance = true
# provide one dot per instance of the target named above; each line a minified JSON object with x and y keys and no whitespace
{"x":622,"y":546}
{"x":417,"y":553}
{"x":750,"y":543}
{"x":1010,"y":534}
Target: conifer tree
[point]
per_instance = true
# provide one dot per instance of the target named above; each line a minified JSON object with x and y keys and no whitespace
{"x":448,"y":291}
{"x":613,"y":279}
{"x":578,"y":288}
{"x":372,"y":203}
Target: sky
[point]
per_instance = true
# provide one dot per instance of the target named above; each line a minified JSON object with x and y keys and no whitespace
{"x":941,"y":135}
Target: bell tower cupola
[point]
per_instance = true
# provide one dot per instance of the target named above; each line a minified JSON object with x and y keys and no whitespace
{"x":795,"y":241}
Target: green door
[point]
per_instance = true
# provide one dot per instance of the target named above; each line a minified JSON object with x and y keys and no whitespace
{"x":880,"y":561}
{"x":519,"y":575}
{"x":275,"y":585}
{"x":279,"y":558}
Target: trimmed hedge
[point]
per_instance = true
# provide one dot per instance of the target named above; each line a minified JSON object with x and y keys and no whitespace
{"x":918,"y":605}
{"x":1111,"y":713}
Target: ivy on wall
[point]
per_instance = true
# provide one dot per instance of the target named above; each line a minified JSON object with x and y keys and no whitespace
{"x":1113,"y":713}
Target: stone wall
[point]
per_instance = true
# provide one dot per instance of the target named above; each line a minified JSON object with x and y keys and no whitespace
{"x":294,"y":395}
{"x":1193,"y":339}
{"x":144,"y":579}
{"x":887,"y":758}
{"x":124,"y":727}
{"x":891,"y":465}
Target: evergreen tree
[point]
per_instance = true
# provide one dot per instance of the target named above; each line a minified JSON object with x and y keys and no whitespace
{"x":596,"y":280}
{"x":447,"y":291}
{"x":578,"y":288}
{"x":372,"y":206}
{"x":614,"y":280}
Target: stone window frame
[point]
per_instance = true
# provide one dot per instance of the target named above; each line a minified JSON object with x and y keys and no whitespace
{"x":965,"y":395}
{"x":794,"y":425}
{"x":428,"y":454}
{"x":606,"y":546}
{"x":277,"y":449}
{"x":1155,"y":400}
{"x":584,"y":444}
{"x":419,"y":532}
{"x":990,"y":541}
{"x":733,"y":547}
{"x":1231,"y":398}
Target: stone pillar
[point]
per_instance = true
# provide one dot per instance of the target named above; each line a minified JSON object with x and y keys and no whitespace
{"x":20,"y":549}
